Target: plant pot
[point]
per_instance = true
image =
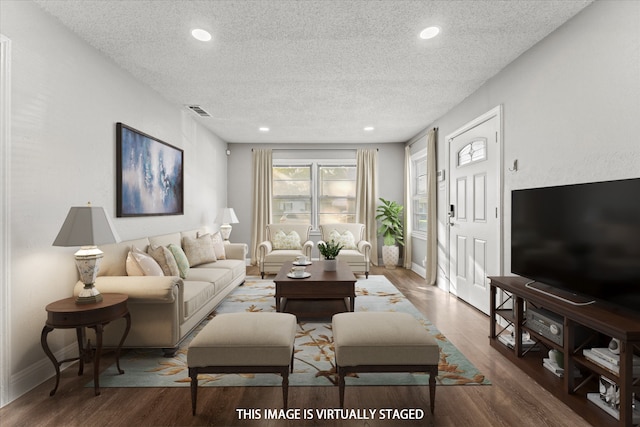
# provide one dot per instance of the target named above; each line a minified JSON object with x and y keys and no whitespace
{"x":330,"y":264}
{"x":390,"y":256}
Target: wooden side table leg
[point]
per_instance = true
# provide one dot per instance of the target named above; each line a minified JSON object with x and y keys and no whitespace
{"x":124,"y":337}
{"x":81,"y":350}
{"x":96,"y":359}
{"x":45,"y":347}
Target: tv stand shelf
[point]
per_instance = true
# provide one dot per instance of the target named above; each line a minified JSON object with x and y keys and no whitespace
{"x":598,"y":318}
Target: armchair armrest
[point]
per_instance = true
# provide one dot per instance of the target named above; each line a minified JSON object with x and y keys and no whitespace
{"x":264,"y":248}
{"x":307,"y":248}
{"x":141,"y":289}
{"x":364,"y":247}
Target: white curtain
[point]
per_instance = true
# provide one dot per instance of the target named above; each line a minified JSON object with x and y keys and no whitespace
{"x":262,"y":192}
{"x":367,"y":196}
{"x":432,"y":218}
{"x":408,"y":207}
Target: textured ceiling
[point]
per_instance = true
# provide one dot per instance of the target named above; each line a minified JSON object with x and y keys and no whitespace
{"x":314,"y":71}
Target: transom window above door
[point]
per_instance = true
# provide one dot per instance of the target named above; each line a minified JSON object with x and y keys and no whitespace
{"x":475,"y":151}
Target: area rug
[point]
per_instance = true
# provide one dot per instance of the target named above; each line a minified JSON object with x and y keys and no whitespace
{"x":314,"y":360}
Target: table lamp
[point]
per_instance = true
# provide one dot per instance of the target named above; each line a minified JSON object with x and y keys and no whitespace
{"x":225,"y":217}
{"x":86,"y":226}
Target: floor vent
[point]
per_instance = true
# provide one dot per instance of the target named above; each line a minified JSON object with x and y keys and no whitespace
{"x":198,"y":110}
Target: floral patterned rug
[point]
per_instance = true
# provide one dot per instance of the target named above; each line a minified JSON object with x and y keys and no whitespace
{"x":314,"y":361}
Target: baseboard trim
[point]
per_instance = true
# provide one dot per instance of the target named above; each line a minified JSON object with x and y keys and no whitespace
{"x":39,"y":372}
{"x":419,"y":270}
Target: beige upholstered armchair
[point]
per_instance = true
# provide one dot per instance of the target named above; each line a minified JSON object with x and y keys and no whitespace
{"x":356,"y":250}
{"x":284,"y":243}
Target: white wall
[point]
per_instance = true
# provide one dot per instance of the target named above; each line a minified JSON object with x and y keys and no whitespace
{"x":390,"y":176}
{"x":66,"y":100}
{"x":571,"y":109}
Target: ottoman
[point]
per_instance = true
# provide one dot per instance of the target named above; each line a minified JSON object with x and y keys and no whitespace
{"x":383,"y":342}
{"x":243,"y":343}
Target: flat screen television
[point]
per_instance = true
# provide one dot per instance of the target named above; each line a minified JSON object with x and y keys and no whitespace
{"x":581,"y":240}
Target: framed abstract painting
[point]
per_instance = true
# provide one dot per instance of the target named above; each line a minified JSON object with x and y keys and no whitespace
{"x":150,"y":175}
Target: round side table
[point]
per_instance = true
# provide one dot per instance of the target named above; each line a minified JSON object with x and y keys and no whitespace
{"x":66,"y":314}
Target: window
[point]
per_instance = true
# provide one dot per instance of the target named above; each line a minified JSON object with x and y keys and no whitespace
{"x":419,"y":192}
{"x":474,"y":151}
{"x":314,"y":192}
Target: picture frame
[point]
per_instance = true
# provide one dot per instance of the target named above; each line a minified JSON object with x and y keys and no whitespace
{"x":149,"y":175}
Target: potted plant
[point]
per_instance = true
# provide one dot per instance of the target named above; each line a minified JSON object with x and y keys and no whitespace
{"x":389,"y":214}
{"x":329,"y":251}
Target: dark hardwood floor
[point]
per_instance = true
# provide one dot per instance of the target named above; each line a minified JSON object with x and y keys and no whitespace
{"x":513,"y":399}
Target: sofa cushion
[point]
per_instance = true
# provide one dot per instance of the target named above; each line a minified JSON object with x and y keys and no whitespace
{"x":351,"y":256}
{"x":237,"y":267}
{"x":166,"y":239}
{"x":115,"y":256}
{"x":220,"y":277}
{"x":199,"y":249}
{"x":282,"y":240}
{"x":218,"y":246}
{"x":165,"y":259}
{"x":141,"y":264}
{"x":196,"y":295}
{"x":346,"y":239}
{"x":181,"y":259}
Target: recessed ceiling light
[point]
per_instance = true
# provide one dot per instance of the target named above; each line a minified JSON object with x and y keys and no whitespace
{"x":264,"y":129}
{"x":369,"y":128}
{"x":201,"y":35}
{"x":429,"y":33}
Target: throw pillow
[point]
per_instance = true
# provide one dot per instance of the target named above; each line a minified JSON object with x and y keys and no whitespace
{"x":345,"y":239}
{"x":218,"y":245}
{"x":142,"y":264}
{"x":199,"y":250}
{"x":165,"y":259}
{"x":181,"y":259}
{"x":286,"y":241}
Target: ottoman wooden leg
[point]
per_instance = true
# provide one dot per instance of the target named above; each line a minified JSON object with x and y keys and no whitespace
{"x":285,"y":388}
{"x":432,"y":387}
{"x":341,"y":385}
{"x":193,"y":373}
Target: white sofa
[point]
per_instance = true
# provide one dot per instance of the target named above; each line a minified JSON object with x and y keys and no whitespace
{"x":164,"y":309}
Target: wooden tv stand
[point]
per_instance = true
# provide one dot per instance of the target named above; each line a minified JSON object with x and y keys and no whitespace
{"x":584,"y":326}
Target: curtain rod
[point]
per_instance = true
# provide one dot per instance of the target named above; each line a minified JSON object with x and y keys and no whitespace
{"x":309,"y":149}
{"x":417,"y":139}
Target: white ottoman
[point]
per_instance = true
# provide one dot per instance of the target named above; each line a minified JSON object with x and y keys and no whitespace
{"x":243,"y":343}
{"x":383,"y":342}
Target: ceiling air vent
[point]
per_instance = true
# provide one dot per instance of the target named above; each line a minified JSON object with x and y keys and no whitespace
{"x":198,"y":110}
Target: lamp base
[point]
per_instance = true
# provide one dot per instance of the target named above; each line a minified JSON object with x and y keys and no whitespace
{"x":88,"y":260}
{"x":225,"y":231}
{"x":89,"y":295}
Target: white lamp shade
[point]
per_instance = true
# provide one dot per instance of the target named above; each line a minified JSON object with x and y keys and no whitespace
{"x":227,"y":216}
{"x":85,"y":226}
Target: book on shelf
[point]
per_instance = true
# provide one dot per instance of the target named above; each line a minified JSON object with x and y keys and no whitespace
{"x":606,"y":354}
{"x":510,"y":341}
{"x":552,"y":366}
{"x":598,"y":360}
{"x":615,"y":413}
{"x":558,"y":372}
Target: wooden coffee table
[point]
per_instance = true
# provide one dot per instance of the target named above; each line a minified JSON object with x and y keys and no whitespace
{"x":316,"y":296}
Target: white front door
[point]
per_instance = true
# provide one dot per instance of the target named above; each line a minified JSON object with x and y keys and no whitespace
{"x":475,"y":239}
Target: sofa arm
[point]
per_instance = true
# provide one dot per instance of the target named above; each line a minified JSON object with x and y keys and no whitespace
{"x":141,"y":289}
{"x":235,"y":251}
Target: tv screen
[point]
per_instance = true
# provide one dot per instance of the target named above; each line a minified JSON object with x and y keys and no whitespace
{"x":582,"y":238}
